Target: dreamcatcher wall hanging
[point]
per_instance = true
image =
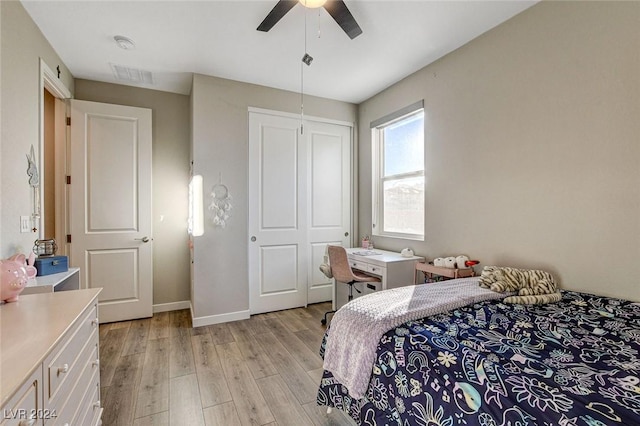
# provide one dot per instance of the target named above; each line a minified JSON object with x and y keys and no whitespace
{"x":220,"y":204}
{"x":34,"y":183}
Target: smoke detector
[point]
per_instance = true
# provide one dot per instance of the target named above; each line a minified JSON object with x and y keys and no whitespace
{"x":124,"y":42}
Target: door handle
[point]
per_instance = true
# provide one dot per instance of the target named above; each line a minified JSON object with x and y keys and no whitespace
{"x":346,"y":234}
{"x":143,"y":239}
{"x":253,"y":239}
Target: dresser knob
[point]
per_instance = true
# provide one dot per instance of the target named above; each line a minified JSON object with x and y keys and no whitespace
{"x":96,"y":363}
{"x":63,"y":369}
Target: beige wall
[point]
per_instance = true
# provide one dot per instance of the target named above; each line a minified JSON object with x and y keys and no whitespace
{"x":532,"y":151}
{"x":171,"y":136}
{"x":220,"y":147}
{"x":532,"y":146}
{"x":21,"y":47}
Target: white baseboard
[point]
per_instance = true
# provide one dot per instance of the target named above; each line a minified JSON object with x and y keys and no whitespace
{"x":173,"y":306}
{"x":201,"y":321}
{"x":217,"y":319}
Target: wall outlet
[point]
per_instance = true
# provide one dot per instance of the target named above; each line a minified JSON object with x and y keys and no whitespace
{"x":25,"y":224}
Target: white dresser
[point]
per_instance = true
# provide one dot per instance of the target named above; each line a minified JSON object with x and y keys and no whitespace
{"x":49,"y":359}
{"x":393,"y":269}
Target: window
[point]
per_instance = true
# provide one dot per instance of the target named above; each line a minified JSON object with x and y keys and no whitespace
{"x":398,"y":174}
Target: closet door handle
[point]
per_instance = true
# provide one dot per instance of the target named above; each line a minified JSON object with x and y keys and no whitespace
{"x":253,"y":239}
{"x":143,"y":239}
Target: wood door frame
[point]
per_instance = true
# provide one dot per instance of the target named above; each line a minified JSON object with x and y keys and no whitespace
{"x":49,"y":81}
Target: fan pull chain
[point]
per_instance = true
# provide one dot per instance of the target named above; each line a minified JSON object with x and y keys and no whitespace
{"x":302,"y":76}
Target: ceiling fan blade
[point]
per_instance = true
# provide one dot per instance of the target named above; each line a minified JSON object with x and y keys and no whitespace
{"x":339,"y":11}
{"x":279,"y":10}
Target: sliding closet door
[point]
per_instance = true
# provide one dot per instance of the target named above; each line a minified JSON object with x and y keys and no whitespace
{"x":293,"y":209}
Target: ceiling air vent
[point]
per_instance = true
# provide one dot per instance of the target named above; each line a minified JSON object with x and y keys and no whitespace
{"x":131,"y":75}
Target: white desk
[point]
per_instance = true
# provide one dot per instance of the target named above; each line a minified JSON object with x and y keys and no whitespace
{"x":69,"y":280}
{"x":393,"y":269}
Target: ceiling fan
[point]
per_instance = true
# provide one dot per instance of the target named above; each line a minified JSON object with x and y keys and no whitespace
{"x":336,"y":8}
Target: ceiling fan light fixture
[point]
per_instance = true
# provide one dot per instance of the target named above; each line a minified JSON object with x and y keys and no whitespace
{"x":336,"y":8}
{"x":312,"y":4}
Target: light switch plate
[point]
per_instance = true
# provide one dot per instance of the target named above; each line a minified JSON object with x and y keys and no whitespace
{"x":25,"y":224}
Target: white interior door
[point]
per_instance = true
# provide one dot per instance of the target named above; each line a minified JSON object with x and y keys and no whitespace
{"x":277,"y":214}
{"x":299,"y":200}
{"x":329,"y":199}
{"x":110,"y":206}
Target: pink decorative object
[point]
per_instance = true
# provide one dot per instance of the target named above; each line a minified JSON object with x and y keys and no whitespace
{"x":13,"y":278}
{"x":27,"y":263}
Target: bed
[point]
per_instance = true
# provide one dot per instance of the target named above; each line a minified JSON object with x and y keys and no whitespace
{"x":574,"y":362}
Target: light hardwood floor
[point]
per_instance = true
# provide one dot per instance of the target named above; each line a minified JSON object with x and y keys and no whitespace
{"x":260,"y":371}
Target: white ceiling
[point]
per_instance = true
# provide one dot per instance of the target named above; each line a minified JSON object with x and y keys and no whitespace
{"x":177,"y":38}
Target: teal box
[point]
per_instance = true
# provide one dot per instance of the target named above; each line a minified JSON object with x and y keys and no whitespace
{"x":52,"y":265}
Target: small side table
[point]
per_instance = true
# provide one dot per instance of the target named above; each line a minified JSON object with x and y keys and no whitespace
{"x":437,"y":273}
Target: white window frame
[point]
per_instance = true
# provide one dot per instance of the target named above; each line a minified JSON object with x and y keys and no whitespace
{"x":378,"y":178}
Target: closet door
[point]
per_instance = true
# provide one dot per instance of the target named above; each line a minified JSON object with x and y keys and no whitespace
{"x":293,"y":208}
{"x":328,"y":198}
{"x":277,"y":214}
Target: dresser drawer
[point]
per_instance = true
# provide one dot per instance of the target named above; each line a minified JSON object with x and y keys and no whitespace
{"x":62,"y":366}
{"x":62,"y":328}
{"x":91,"y":411}
{"x":25,"y":407}
{"x":71,"y":408}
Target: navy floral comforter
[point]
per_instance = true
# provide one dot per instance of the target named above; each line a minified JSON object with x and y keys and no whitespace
{"x":575,"y":362}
